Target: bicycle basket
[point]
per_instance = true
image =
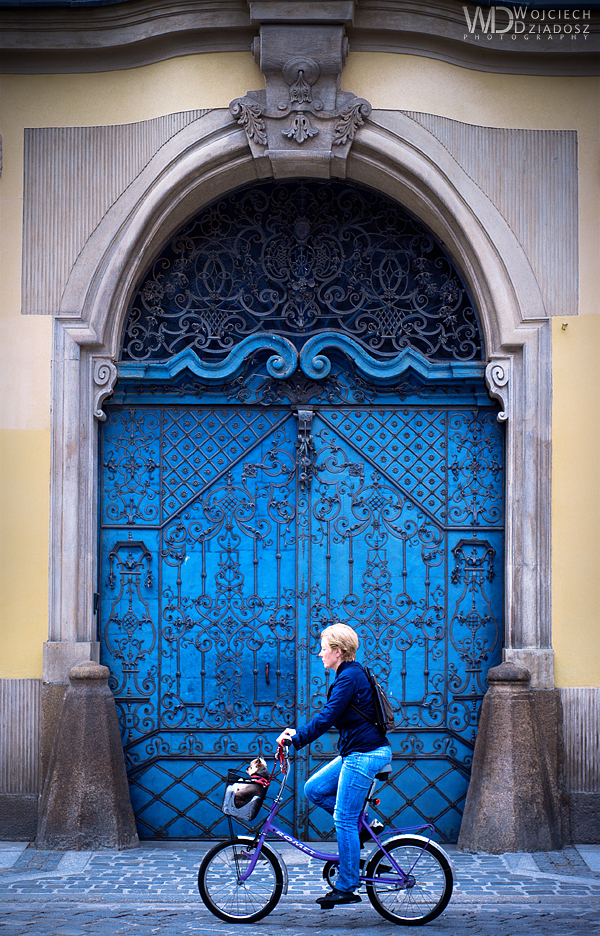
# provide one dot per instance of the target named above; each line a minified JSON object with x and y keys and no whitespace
{"x":242,"y":787}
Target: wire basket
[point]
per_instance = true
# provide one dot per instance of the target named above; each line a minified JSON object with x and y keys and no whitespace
{"x":237,"y":785}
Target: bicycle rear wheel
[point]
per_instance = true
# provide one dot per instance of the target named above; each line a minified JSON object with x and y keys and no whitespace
{"x":227,"y":897}
{"x":428,"y":889}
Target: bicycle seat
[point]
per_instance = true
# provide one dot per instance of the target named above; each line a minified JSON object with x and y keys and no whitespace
{"x":385,"y":773}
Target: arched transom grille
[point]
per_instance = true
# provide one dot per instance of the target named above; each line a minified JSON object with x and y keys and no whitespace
{"x":299,"y":259}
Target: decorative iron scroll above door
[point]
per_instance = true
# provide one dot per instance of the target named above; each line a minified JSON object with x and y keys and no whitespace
{"x":300,"y":260}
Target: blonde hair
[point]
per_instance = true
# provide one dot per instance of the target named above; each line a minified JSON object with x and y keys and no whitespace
{"x":342,"y":637}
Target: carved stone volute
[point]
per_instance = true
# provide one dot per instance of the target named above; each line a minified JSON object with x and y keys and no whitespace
{"x":301,"y":123}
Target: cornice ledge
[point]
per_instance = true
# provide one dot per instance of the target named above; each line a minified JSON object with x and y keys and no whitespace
{"x":95,"y":39}
{"x":579,"y":62}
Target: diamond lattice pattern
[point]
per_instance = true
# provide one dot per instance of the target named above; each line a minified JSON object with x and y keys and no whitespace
{"x":199,"y":446}
{"x":408,"y":446}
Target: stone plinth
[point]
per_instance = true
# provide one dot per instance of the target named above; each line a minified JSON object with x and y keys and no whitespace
{"x":513,"y":801}
{"x":85,"y":802}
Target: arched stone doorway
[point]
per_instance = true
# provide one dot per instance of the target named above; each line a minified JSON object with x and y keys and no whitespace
{"x":203,"y":161}
{"x":253,"y":489}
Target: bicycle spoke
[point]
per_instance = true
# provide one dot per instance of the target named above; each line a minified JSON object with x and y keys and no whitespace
{"x":232,"y":899}
{"x":422,"y":890}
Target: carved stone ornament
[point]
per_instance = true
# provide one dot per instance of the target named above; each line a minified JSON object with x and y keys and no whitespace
{"x":105,"y":378}
{"x":301,"y":121}
{"x":497,"y":378}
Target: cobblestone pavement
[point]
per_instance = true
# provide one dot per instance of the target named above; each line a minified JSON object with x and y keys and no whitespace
{"x":152,"y":890}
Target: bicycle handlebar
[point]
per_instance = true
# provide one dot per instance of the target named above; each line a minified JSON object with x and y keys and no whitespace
{"x":282,"y":757}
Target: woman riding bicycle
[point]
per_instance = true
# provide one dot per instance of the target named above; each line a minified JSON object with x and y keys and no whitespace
{"x":341,"y":786}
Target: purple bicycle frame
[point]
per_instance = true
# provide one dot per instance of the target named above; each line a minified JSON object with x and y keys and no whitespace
{"x":325,"y":856}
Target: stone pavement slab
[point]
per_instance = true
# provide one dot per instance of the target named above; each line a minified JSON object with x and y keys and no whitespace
{"x":153,"y":890}
{"x":10,"y":852}
{"x":290,"y":918}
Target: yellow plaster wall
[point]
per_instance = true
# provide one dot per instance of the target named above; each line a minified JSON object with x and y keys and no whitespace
{"x":212,"y":80}
{"x":24,"y":491}
{"x":24,"y":504}
{"x":576,"y":501}
{"x":179,"y":84}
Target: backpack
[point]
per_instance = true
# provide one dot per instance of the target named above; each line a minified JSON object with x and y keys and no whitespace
{"x":384,"y":715}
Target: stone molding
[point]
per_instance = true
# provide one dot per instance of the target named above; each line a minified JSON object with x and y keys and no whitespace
{"x":497,"y":378}
{"x":66,"y":194}
{"x":105,"y":377}
{"x":20,"y":736}
{"x":62,"y":40}
{"x":539,"y":662}
{"x":207,"y":158}
{"x":61,"y":655}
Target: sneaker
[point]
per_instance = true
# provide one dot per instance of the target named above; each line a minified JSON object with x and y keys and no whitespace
{"x":335,"y":897}
{"x":364,"y":836}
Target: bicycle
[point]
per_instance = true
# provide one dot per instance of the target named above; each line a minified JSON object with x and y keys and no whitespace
{"x":408,"y":878}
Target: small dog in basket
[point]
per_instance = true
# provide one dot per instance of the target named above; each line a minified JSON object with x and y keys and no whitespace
{"x":244,"y":790}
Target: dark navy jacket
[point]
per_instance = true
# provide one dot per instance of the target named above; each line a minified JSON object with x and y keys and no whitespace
{"x":356,"y":733}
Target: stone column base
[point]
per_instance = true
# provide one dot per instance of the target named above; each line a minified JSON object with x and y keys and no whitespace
{"x":514,"y":801}
{"x":85,"y":802}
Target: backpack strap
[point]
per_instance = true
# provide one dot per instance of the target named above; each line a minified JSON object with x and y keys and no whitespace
{"x":360,"y":712}
{"x":371,"y":721}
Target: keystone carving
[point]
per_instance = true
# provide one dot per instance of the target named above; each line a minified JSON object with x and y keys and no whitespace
{"x":301,"y":122}
{"x":249,"y":117}
{"x":300,"y":129}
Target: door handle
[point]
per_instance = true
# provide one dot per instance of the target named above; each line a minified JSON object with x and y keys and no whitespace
{"x":267,"y":668}
{"x":304,"y":448}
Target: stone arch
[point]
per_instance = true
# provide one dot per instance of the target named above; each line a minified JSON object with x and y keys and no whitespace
{"x":397,"y":156}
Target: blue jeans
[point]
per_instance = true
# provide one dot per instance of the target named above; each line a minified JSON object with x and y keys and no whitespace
{"x":341,"y":787}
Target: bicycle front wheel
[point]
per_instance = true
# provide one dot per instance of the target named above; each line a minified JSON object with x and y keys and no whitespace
{"x":425,"y":890}
{"x":238,"y":901}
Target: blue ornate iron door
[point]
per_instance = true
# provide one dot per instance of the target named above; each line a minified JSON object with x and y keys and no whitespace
{"x":232,"y":535}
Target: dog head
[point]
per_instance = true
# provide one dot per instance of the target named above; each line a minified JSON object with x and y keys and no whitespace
{"x":258,"y":765}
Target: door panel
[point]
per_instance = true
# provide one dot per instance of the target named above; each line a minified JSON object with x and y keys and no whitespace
{"x":398,"y":550}
{"x":199,"y":622}
{"x":230,"y":536}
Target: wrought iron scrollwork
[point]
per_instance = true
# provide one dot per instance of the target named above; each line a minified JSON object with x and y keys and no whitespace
{"x":301,"y":259}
